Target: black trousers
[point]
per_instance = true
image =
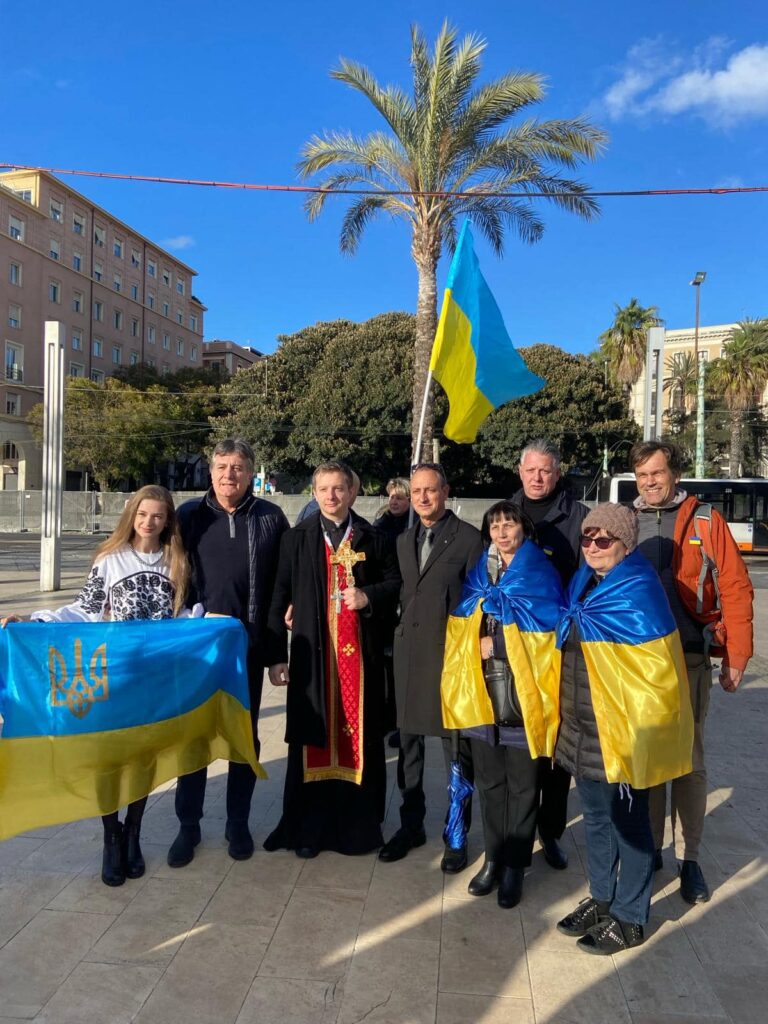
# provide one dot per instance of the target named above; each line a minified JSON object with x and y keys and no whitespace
{"x":241,"y":778}
{"x":507,"y":781}
{"x":410,"y":778}
{"x":554,"y":782}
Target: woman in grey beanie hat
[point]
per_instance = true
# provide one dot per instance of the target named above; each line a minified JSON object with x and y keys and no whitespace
{"x":617,"y":520}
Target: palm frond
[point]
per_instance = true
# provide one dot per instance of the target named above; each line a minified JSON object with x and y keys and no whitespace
{"x":391,"y":102}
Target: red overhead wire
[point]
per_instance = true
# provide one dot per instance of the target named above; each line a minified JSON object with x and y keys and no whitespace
{"x":250,"y":186}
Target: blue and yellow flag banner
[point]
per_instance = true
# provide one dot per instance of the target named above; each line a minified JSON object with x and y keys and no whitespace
{"x":637,"y":673}
{"x":473,"y":357}
{"x":527,"y":602}
{"x":96,"y":715}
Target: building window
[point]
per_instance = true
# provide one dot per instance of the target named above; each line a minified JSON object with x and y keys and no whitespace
{"x":99,"y":236}
{"x":98,"y":348}
{"x":167,"y":342}
{"x":116,"y":354}
{"x":118,"y":282}
{"x":23,"y":193}
{"x":703,"y":356}
{"x":14,"y":362}
{"x":14,"y":273}
{"x":12,"y":405}
{"x":134,"y":327}
{"x":97,"y":376}
{"x":135,"y":258}
{"x":151,"y":300}
{"x":151,"y":334}
{"x":151,"y":268}
{"x":78,"y":224}
{"x":57,"y":210}
{"x":193,"y":353}
{"x":54,"y":291}
{"x":193,"y":323}
{"x":166,"y":369}
{"x":135,"y":292}
{"x":16,"y":228}
{"x":77,"y":261}
{"x":98,"y":311}
{"x":179,"y":346}
{"x":117,"y":248}
{"x":179,"y":316}
{"x":166,"y":309}
{"x":167,"y":278}
{"x":10,"y":452}
{"x":54,"y":251}
{"x":14,"y":315}
{"x":180,"y":285}
{"x":118,"y":319}
{"x":77,"y":341}
{"x":98,"y":270}
{"x":134,"y":358}
{"x":150,"y":362}
{"x":76,"y":370}
{"x":77,"y":302}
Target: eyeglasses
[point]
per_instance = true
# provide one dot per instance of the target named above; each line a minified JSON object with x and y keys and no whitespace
{"x":600,"y":542}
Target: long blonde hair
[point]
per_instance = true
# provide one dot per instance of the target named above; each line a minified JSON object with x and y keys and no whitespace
{"x":174,"y":557}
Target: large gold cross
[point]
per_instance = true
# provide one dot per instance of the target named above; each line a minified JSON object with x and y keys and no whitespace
{"x":347,"y":558}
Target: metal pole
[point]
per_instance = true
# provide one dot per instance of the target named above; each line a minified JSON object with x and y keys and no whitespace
{"x":651,"y":420}
{"x":699,"y":468}
{"x":605,"y":434}
{"x":416,"y":454}
{"x":53,"y":431}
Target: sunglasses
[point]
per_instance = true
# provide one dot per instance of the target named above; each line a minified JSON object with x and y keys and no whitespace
{"x":600,"y":542}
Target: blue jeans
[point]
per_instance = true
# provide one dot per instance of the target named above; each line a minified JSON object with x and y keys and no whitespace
{"x":620,"y":848}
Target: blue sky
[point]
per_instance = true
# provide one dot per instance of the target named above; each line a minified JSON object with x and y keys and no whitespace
{"x":231,"y":91}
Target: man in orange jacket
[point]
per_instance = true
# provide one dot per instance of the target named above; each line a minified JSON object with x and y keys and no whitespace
{"x":713,"y":611}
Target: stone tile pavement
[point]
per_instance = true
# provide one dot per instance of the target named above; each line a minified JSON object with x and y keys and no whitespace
{"x":276,"y":940}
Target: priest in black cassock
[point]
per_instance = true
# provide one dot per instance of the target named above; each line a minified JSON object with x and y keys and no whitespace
{"x":337,"y":585}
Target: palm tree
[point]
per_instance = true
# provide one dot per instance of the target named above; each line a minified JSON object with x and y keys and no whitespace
{"x":624,"y":343}
{"x":682,"y":379}
{"x":447,"y":151}
{"x":741,"y":375}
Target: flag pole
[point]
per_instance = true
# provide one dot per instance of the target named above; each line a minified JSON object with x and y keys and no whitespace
{"x":416,"y":454}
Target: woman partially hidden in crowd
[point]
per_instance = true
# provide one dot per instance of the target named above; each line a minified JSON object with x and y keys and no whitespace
{"x":139,"y":572}
{"x":499,"y":685}
{"x":626,"y":722}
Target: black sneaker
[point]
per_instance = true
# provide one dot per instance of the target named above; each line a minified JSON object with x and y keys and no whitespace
{"x":611,"y":936}
{"x":588,"y":914}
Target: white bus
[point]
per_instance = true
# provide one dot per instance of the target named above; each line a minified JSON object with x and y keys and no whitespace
{"x":742,"y":503}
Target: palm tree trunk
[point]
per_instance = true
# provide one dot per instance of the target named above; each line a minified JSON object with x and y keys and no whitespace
{"x":734,"y":460}
{"x":426,"y":326}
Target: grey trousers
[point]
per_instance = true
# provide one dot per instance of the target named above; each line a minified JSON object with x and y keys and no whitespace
{"x":689,"y":792}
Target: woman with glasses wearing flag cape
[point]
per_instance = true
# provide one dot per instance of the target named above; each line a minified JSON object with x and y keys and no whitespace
{"x":626,"y":722}
{"x":499,"y":687}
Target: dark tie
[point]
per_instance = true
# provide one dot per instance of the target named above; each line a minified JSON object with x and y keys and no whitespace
{"x":426,"y":548}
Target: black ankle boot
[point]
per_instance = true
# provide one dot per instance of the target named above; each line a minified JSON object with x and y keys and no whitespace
{"x":112,"y":871}
{"x":485,"y":880}
{"x":133,"y":861}
{"x":511,"y":887}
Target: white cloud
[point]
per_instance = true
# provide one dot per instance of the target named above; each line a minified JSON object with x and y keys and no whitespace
{"x":707,"y":83}
{"x":178,"y":242}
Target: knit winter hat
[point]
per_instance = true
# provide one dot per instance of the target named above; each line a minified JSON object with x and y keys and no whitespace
{"x":618,"y":520}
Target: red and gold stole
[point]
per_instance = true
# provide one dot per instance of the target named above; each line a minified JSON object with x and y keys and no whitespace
{"x":342,"y":756}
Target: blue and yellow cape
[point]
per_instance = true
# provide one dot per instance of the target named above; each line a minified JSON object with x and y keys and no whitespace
{"x":636,"y":670}
{"x":96,"y":715}
{"x":526,"y":601}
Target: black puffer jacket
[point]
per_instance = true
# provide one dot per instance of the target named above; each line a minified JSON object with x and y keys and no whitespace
{"x":559,"y":531}
{"x":578,"y":744}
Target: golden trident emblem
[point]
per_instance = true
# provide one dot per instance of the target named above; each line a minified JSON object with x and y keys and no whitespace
{"x":77,"y":693}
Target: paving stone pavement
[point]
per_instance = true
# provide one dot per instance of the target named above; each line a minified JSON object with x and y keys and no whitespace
{"x":336,"y":940}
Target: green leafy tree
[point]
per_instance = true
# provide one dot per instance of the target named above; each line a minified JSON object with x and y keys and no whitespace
{"x":451,"y":135}
{"x":624,"y":343}
{"x":681,"y":379}
{"x":336,"y":389}
{"x":740,"y":376}
{"x":576,"y":409}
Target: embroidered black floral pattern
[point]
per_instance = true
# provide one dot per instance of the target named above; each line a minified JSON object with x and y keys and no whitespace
{"x":93,"y":596}
{"x":143,"y":596}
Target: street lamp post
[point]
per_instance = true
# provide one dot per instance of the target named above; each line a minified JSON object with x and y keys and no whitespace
{"x":699,"y":467}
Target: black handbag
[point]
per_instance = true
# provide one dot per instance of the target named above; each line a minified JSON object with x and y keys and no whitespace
{"x":500,"y":684}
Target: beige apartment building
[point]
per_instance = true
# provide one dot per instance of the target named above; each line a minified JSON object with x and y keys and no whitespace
{"x":227,"y":357}
{"x":122,"y":299}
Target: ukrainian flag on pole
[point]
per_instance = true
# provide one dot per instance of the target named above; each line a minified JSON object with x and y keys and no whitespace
{"x":473,"y":357}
